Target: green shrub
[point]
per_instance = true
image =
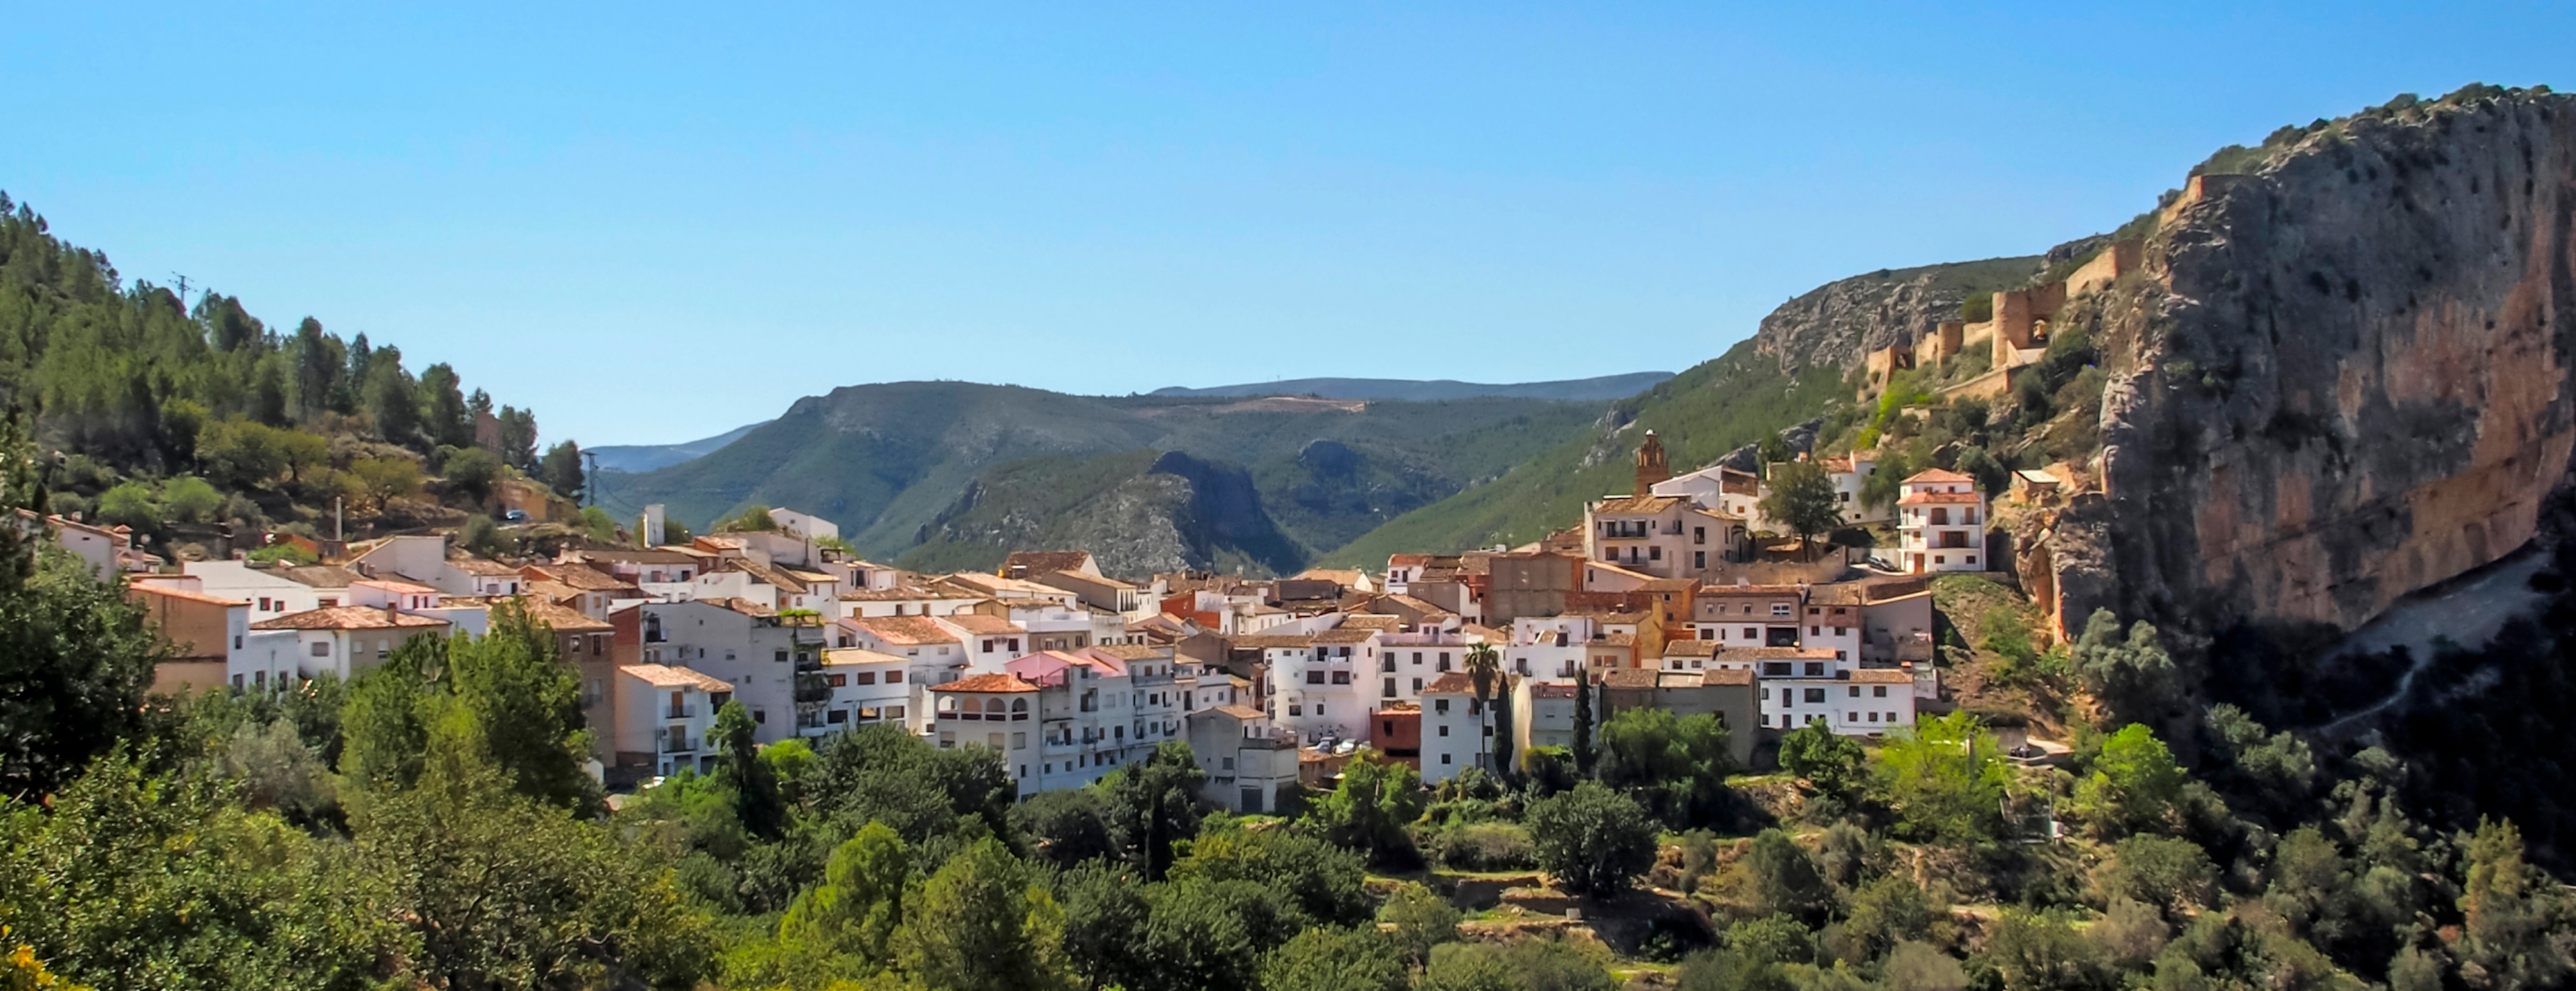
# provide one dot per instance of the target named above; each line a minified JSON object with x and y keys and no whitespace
{"x":1978,"y":308}
{"x":190,"y":500}
{"x":289,"y":553}
{"x":1483,"y":846}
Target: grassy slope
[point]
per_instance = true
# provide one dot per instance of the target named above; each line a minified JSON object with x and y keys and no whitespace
{"x":1701,"y":414}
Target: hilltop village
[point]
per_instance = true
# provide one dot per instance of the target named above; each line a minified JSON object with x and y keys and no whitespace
{"x":1676,"y":595}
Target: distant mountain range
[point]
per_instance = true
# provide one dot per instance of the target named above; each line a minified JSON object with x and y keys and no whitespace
{"x":959,"y":474}
{"x":646,"y":457}
{"x":1604,"y":388}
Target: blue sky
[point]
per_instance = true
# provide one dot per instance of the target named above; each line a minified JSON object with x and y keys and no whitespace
{"x":657,"y":222}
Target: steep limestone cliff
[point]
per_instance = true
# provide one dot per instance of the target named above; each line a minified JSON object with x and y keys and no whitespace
{"x":2342,"y":377}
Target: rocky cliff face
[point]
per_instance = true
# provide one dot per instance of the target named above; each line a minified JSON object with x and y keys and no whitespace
{"x":2341,"y":378}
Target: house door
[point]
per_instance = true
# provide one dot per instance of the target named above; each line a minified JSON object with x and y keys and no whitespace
{"x":1918,"y":564}
{"x":1251,"y":800}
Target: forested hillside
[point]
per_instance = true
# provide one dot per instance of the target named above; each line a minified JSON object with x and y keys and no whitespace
{"x":162,"y":415}
{"x":1138,"y":512}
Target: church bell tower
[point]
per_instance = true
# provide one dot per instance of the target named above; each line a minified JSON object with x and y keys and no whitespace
{"x":1651,"y":467}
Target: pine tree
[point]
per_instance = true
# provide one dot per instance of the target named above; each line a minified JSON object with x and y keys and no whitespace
{"x":1583,"y":745}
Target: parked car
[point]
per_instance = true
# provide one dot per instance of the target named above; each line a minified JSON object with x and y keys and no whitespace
{"x":515,"y":516}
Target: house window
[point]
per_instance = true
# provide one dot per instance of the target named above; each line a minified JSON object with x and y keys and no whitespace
{"x":836,"y":680}
{"x":1816,"y":695}
{"x":1314,"y":677}
{"x":1417,"y":685}
{"x":1854,"y":691}
{"x":321,"y":648}
{"x":1444,"y":729}
{"x":1879,"y":691}
{"x":1440,"y":706}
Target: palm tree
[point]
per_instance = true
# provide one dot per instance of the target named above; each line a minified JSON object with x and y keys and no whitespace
{"x":1485,"y":667}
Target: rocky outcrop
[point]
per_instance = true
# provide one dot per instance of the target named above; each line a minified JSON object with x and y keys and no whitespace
{"x":1836,"y":323}
{"x":2341,"y":378}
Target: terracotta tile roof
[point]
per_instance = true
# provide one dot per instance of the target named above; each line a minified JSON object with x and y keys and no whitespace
{"x":1728,"y":676}
{"x":1837,"y":594}
{"x":1629,"y":678}
{"x":1936,"y":475}
{"x":1774,"y":654}
{"x":1929,"y":498}
{"x":1669,"y":585}
{"x":1243,"y":712}
{"x":659,"y":555}
{"x":1345,"y":636}
{"x":321,"y":575}
{"x":479,"y":567}
{"x":1692,"y":648}
{"x":665,"y":676}
{"x":1261,"y":641}
{"x":1416,"y":605}
{"x":1648,"y":505}
{"x":580,"y":576}
{"x":1707,"y":591}
{"x":903,"y":593}
{"x":986,"y":683}
{"x":1451,"y":683}
{"x":910,"y":631}
{"x":1883,"y":676}
{"x":1616,"y":640}
{"x":983,"y":625}
{"x":390,"y":585}
{"x":1136,"y":652}
{"x":1372,"y":621}
{"x":1551,"y":691}
{"x":1733,"y":482}
{"x":348,"y":618}
{"x":1039,"y":562}
{"x":564,"y":620}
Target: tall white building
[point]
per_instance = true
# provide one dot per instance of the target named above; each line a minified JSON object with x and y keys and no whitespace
{"x":1941,"y":523}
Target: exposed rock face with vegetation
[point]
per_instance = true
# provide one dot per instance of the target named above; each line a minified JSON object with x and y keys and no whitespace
{"x":2343,"y":374}
{"x":1836,"y":323}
